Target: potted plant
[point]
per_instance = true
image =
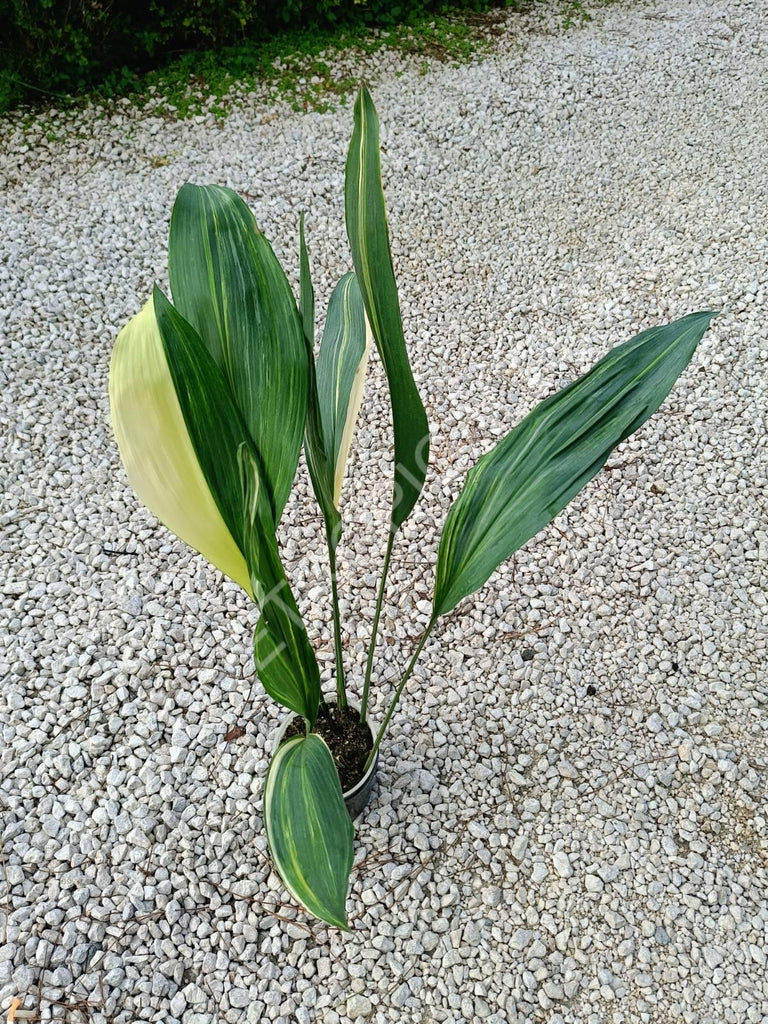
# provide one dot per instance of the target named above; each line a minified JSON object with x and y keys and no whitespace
{"x":214,"y":395}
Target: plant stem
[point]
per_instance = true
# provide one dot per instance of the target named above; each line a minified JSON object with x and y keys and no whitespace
{"x":341,"y":692}
{"x":399,"y":690}
{"x":375,"y":628}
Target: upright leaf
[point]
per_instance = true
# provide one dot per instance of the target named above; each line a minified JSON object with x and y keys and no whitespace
{"x":155,"y":445}
{"x":532,"y":474}
{"x":306,"y":289}
{"x":283,"y":655}
{"x":228,"y":284}
{"x":309,"y":831}
{"x":314,"y":442}
{"x":369,"y":242}
{"x":341,"y":366}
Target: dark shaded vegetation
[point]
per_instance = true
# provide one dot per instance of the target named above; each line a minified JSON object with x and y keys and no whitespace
{"x":56,"y":49}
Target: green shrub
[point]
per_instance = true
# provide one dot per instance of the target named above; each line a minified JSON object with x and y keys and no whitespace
{"x":60,"y":48}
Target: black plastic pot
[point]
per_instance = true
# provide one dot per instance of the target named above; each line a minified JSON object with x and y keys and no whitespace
{"x":357,"y":798}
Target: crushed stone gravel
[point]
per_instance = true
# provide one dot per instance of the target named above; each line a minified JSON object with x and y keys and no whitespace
{"x":570,"y":824}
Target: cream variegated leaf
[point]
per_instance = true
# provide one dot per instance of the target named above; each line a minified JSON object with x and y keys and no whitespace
{"x":308,"y":828}
{"x":341,"y":367}
{"x":156,"y":448}
{"x":352,"y":412}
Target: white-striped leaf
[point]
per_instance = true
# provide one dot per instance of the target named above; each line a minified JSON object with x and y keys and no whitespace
{"x":228,"y":284}
{"x":532,"y":474}
{"x":309,"y":831}
{"x":369,"y":241}
{"x":341,"y":366}
{"x":157,"y":451}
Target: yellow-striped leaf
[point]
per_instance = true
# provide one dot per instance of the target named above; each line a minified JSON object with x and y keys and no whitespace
{"x":369,"y":241}
{"x":309,"y":831}
{"x":532,"y":474}
{"x":228,"y":284}
{"x":341,"y":366}
{"x":156,"y":448}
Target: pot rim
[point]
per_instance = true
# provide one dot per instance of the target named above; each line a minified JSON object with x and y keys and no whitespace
{"x":283,"y":728}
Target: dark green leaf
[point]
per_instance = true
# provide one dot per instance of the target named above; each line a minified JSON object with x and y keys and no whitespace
{"x":320,"y":471}
{"x":228,"y":284}
{"x":306,"y":290}
{"x":369,"y":242}
{"x":308,"y":828}
{"x":532,"y":474}
{"x":284,"y":658}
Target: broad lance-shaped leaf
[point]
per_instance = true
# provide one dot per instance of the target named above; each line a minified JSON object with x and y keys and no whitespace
{"x":341,"y":366}
{"x":223,"y":449}
{"x":314,"y":438}
{"x":309,"y":831}
{"x":369,"y":242}
{"x":228,"y":284}
{"x":284,"y":658}
{"x":532,"y":474}
{"x":157,"y":451}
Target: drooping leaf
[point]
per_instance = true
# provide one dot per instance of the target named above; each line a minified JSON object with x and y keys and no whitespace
{"x":369,"y":242}
{"x":285,"y":660}
{"x":228,"y":284}
{"x":157,"y":451}
{"x":320,"y":471}
{"x":309,"y":831}
{"x":531,"y":475}
{"x":341,"y":366}
{"x":283,"y":655}
{"x":215,"y":427}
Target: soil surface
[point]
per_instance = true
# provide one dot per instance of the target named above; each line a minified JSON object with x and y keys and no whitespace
{"x":349,"y":741}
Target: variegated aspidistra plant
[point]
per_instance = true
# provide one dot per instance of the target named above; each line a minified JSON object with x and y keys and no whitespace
{"x":213,"y":396}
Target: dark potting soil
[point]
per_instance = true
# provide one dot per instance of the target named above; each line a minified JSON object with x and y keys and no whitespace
{"x":349,"y":741}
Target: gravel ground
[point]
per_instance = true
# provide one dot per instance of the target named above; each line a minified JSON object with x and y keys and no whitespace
{"x":570,"y":824}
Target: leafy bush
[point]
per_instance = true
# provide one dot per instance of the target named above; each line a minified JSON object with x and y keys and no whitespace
{"x":67,"y":48}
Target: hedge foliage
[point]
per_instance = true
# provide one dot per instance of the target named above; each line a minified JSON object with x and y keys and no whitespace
{"x":70,"y":46}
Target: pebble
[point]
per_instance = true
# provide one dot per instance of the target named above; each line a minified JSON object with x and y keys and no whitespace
{"x":539,"y":873}
{"x":562,"y":864}
{"x":359,"y":1006}
{"x":519,"y":847}
{"x":521,"y":938}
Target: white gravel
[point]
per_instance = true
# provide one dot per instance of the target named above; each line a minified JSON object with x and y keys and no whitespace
{"x":571,"y":823}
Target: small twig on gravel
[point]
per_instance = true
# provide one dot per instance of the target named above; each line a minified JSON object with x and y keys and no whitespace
{"x":519,"y":634}
{"x":621,"y":771}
